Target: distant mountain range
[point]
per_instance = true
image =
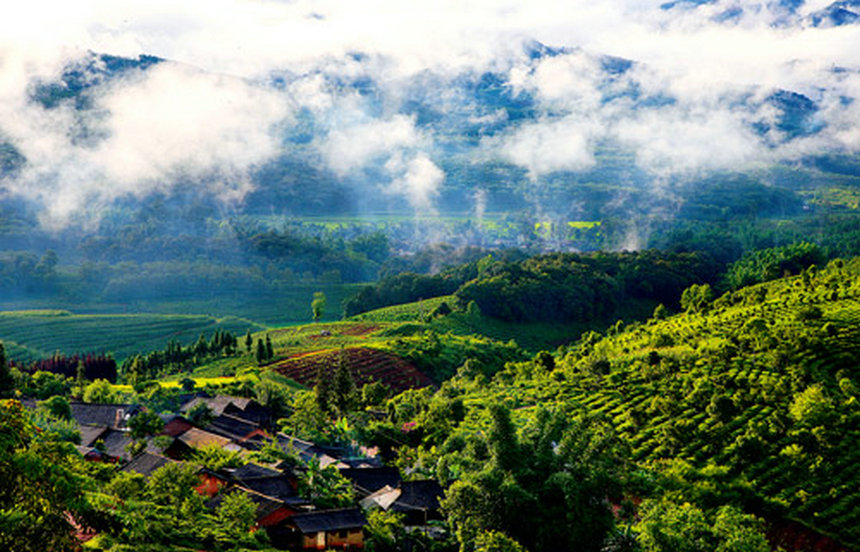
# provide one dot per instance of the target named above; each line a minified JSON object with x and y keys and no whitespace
{"x":482,"y":140}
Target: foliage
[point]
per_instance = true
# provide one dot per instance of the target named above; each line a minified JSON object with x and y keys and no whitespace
{"x":764,"y":265}
{"x":38,"y":488}
{"x":100,"y":391}
{"x":671,"y":527}
{"x":7,"y":383}
{"x":542,"y":496}
{"x":145,"y":424}
{"x":325,"y":487}
{"x":215,"y":458}
{"x":565,"y":287}
{"x":318,"y":305}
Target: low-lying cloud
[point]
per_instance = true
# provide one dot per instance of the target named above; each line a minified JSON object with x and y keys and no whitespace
{"x":696,"y":98}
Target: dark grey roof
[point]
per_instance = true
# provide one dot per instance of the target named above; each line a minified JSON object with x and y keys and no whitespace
{"x":275,"y":487}
{"x":369,"y":480}
{"x":146,"y":463}
{"x":110,"y":415}
{"x":90,"y":434}
{"x":218,"y":404}
{"x":265,"y":504}
{"x":115,"y":442}
{"x":253,"y":471}
{"x":329,"y":520}
{"x":232,"y":427}
{"x":418,"y":495}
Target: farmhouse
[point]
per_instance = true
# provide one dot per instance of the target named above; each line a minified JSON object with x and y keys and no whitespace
{"x":327,"y":529}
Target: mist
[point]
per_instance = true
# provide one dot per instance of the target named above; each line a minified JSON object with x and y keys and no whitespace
{"x":403,"y":119}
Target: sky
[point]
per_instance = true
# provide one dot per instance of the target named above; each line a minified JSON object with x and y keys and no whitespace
{"x":209,"y":116}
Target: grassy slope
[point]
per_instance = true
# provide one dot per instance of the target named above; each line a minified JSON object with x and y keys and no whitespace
{"x":39,"y":334}
{"x":658,"y":382}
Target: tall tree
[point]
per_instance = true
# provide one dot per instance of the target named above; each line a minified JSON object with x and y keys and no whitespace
{"x":345,"y":394}
{"x":318,"y":305}
{"x":270,"y":352}
{"x":38,"y":492}
{"x":7,"y":383}
{"x":261,"y":351}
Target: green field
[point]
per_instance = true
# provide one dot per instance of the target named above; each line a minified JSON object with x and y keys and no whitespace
{"x":31,"y":335}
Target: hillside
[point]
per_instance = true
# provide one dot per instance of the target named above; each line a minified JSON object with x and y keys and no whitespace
{"x":39,"y":334}
{"x":750,"y":400}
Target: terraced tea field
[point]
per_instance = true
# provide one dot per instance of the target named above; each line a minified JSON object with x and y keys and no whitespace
{"x":30,"y":335}
{"x":366,"y":365}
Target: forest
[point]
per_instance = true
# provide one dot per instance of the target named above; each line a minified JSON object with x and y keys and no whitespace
{"x":723,"y":418}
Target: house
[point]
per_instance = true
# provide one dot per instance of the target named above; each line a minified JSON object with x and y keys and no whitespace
{"x":237,"y":429}
{"x":211,"y":482}
{"x":104,"y":444}
{"x":417,"y":500}
{"x":184,"y":445}
{"x":247,"y":409}
{"x":175,"y":426}
{"x":145,"y":463}
{"x":369,"y":480}
{"x":324,"y":529}
{"x":306,"y":450}
{"x":106,"y":415}
{"x":115,"y":443}
{"x":269,"y":482}
{"x":197,"y":438}
{"x":270,"y":511}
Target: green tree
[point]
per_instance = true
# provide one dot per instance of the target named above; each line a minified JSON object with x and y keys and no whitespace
{"x":126,"y":485}
{"x":99,"y":391}
{"x":495,"y":541}
{"x":236,"y":516}
{"x":812,"y":407}
{"x":7,"y":383}
{"x":57,"y":407}
{"x":318,"y":305}
{"x":214,"y":457}
{"x":249,"y":341}
{"x":145,"y":424}
{"x":325,"y":487}
{"x":696,"y":298}
{"x":261,"y":351}
{"x":343,"y":387}
{"x":173,"y":485}
{"x":39,"y":492}
{"x":270,"y":352}
{"x":670,"y":527}
{"x":323,"y":390}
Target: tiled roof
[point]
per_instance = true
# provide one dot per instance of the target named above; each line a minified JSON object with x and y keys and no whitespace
{"x":110,"y":415}
{"x":418,"y":495}
{"x":329,"y":520}
{"x":253,"y":471}
{"x":146,"y":463}
{"x":115,"y":442}
{"x":370,"y":480}
{"x":90,"y":434}
{"x":197,"y":438}
{"x":275,"y":487}
{"x":218,"y":404}
{"x":232,"y":427}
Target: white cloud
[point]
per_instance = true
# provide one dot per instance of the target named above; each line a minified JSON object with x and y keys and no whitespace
{"x":153,"y":131}
{"x":418,"y":179}
{"x":544,"y":147}
{"x":674,"y":139}
{"x":178,"y":120}
{"x":356,"y":146}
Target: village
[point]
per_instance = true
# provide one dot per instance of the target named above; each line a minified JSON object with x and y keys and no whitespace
{"x":241,"y":427}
